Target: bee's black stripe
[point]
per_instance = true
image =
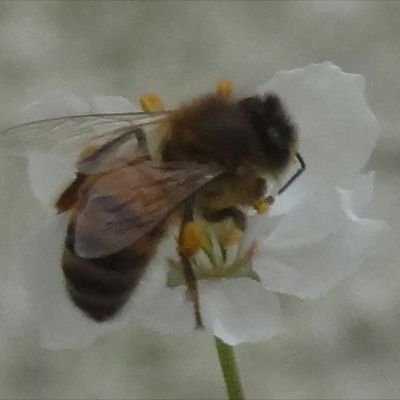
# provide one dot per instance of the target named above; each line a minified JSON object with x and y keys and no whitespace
{"x":101,"y":286}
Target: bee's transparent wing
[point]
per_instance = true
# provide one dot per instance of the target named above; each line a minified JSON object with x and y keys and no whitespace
{"x":94,"y":142}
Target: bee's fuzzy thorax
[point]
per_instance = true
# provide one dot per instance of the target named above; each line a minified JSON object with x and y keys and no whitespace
{"x":211,"y":129}
{"x":232,"y":133}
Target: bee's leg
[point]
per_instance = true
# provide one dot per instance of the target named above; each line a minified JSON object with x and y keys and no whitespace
{"x":238,"y":217}
{"x":69,"y":196}
{"x":189,"y":243}
{"x":224,"y":88}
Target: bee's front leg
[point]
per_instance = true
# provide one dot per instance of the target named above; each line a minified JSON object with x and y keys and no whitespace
{"x":238,"y":217}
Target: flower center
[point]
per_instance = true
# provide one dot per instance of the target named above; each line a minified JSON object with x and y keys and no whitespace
{"x":222,"y":253}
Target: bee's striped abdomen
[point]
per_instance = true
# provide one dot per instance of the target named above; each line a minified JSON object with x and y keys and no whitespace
{"x":101,"y":286}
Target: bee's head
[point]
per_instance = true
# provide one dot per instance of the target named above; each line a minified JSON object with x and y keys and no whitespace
{"x":274,"y":129}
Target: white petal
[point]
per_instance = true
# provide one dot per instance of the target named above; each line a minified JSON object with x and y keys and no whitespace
{"x":337,"y":129}
{"x":313,"y":219}
{"x":287,"y":200}
{"x":169,"y":311}
{"x":239,"y":310}
{"x":15,"y":308}
{"x":310,"y":271}
{"x":154,"y":305}
{"x":320,"y":241}
{"x":48,"y":175}
{"x":111,"y":104}
{"x":55,"y":104}
{"x":358,"y":198}
{"x":315,"y":216}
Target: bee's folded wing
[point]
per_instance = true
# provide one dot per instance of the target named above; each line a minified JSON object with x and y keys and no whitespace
{"x":124,"y":205}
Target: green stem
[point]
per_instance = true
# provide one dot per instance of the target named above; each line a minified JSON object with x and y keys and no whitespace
{"x":230,"y":370}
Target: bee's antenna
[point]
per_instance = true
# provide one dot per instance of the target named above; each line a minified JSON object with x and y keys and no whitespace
{"x":296,"y":175}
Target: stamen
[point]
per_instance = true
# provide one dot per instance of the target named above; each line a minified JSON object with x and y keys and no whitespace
{"x":263,"y":205}
{"x":191,"y":239}
{"x":232,"y":237}
{"x":225,"y":88}
{"x":151,"y":102}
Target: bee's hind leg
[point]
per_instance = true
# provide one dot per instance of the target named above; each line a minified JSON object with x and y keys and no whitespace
{"x":189,"y":243}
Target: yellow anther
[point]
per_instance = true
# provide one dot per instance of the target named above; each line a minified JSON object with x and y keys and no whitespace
{"x":190,"y":241}
{"x":151,"y":102}
{"x":263,"y":205}
{"x":224,"y":88}
{"x":232,"y":237}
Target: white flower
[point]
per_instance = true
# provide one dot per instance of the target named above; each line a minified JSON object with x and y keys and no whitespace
{"x":315,"y":235}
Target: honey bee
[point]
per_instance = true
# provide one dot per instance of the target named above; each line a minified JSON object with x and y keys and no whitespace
{"x":212,"y":160}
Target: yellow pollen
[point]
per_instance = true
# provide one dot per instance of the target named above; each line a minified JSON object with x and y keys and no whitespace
{"x":263,"y":205}
{"x":225,"y":88}
{"x":232,"y":237}
{"x":190,"y":241}
{"x":151,"y":102}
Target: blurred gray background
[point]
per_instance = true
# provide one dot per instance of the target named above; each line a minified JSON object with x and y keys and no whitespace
{"x":346,"y":345}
